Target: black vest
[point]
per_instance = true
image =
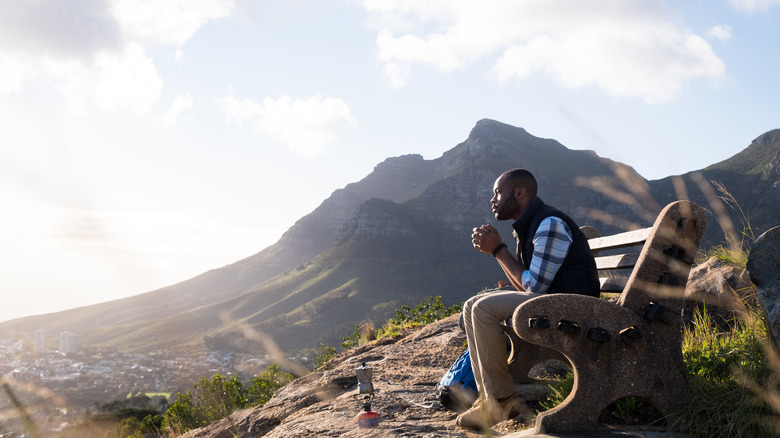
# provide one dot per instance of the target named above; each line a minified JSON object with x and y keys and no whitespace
{"x":578,"y":273}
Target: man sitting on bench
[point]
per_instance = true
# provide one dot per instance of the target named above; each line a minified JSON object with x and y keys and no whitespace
{"x":552,"y":257}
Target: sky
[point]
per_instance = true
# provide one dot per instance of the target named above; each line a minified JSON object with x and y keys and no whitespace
{"x":144,"y":142}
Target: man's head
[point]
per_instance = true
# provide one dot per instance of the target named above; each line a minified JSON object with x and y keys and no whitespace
{"x":512,"y":192}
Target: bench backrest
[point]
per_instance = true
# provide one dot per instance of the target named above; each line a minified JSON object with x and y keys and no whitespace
{"x":616,"y":256}
{"x":662,"y":255}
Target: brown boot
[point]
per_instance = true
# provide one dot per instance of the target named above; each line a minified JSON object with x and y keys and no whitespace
{"x":485,"y":414}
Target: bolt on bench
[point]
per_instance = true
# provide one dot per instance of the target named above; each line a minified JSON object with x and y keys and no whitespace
{"x":630,"y":347}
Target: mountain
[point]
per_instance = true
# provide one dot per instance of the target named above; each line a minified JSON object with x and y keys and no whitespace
{"x":398,"y":236}
{"x":752,"y":177}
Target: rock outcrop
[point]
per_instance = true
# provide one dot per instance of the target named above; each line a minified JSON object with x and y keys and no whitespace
{"x":326,"y":402}
{"x":718,"y":288}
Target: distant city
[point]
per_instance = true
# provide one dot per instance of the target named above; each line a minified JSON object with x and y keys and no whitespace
{"x":59,"y":386}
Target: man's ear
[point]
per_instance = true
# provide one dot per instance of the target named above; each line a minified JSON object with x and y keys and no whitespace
{"x":519,"y":192}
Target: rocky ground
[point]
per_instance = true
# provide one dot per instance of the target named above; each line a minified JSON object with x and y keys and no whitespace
{"x":326,"y":402}
{"x":406,"y":370}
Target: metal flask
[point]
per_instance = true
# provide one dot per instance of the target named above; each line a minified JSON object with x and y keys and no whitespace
{"x":364,"y":374}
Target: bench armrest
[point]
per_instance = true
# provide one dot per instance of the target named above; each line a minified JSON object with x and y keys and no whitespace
{"x":579,"y":314}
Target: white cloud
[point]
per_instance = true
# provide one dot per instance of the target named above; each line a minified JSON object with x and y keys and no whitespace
{"x":721,"y":32}
{"x":128,"y":79}
{"x":754,"y":5}
{"x":306,"y":126}
{"x":625,"y":48}
{"x":13,"y":73}
{"x":169,"y":22}
{"x":180,"y":104}
{"x":96,"y":51}
{"x":238,"y":111}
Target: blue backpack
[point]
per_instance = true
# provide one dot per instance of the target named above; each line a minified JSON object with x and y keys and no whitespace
{"x":457,"y":390}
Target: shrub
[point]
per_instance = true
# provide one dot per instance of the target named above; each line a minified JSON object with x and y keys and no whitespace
{"x":265,"y":385}
{"x":326,"y":354}
{"x":216,"y":398}
{"x":426,"y":312}
{"x":727,"y":372}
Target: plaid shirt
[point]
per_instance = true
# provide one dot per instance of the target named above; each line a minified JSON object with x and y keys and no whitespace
{"x":551,"y":244}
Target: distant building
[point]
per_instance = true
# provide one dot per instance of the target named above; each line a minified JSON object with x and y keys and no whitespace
{"x":69,"y":342}
{"x":40,"y":341}
{"x":8,"y":346}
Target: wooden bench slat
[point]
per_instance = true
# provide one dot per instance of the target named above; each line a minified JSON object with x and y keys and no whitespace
{"x":613,"y":284}
{"x":622,"y":240}
{"x":618,"y":261}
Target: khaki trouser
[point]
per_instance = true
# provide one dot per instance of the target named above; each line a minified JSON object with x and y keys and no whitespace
{"x":482,"y":315}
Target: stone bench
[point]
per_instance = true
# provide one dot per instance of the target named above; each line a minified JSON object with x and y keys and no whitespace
{"x":625,"y":346}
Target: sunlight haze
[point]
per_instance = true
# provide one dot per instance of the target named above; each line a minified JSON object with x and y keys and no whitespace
{"x":143,"y":142}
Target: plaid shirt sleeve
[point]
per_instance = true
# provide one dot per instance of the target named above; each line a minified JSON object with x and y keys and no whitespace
{"x":551,"y":244}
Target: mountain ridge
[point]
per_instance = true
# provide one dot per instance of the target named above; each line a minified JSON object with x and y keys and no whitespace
{"x":397,"y":236}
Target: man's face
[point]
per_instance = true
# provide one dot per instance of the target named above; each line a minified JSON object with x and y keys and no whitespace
{"x":504,"y":201}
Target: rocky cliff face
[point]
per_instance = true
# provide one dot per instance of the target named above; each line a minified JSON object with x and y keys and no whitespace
{"x":402,"y":234}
